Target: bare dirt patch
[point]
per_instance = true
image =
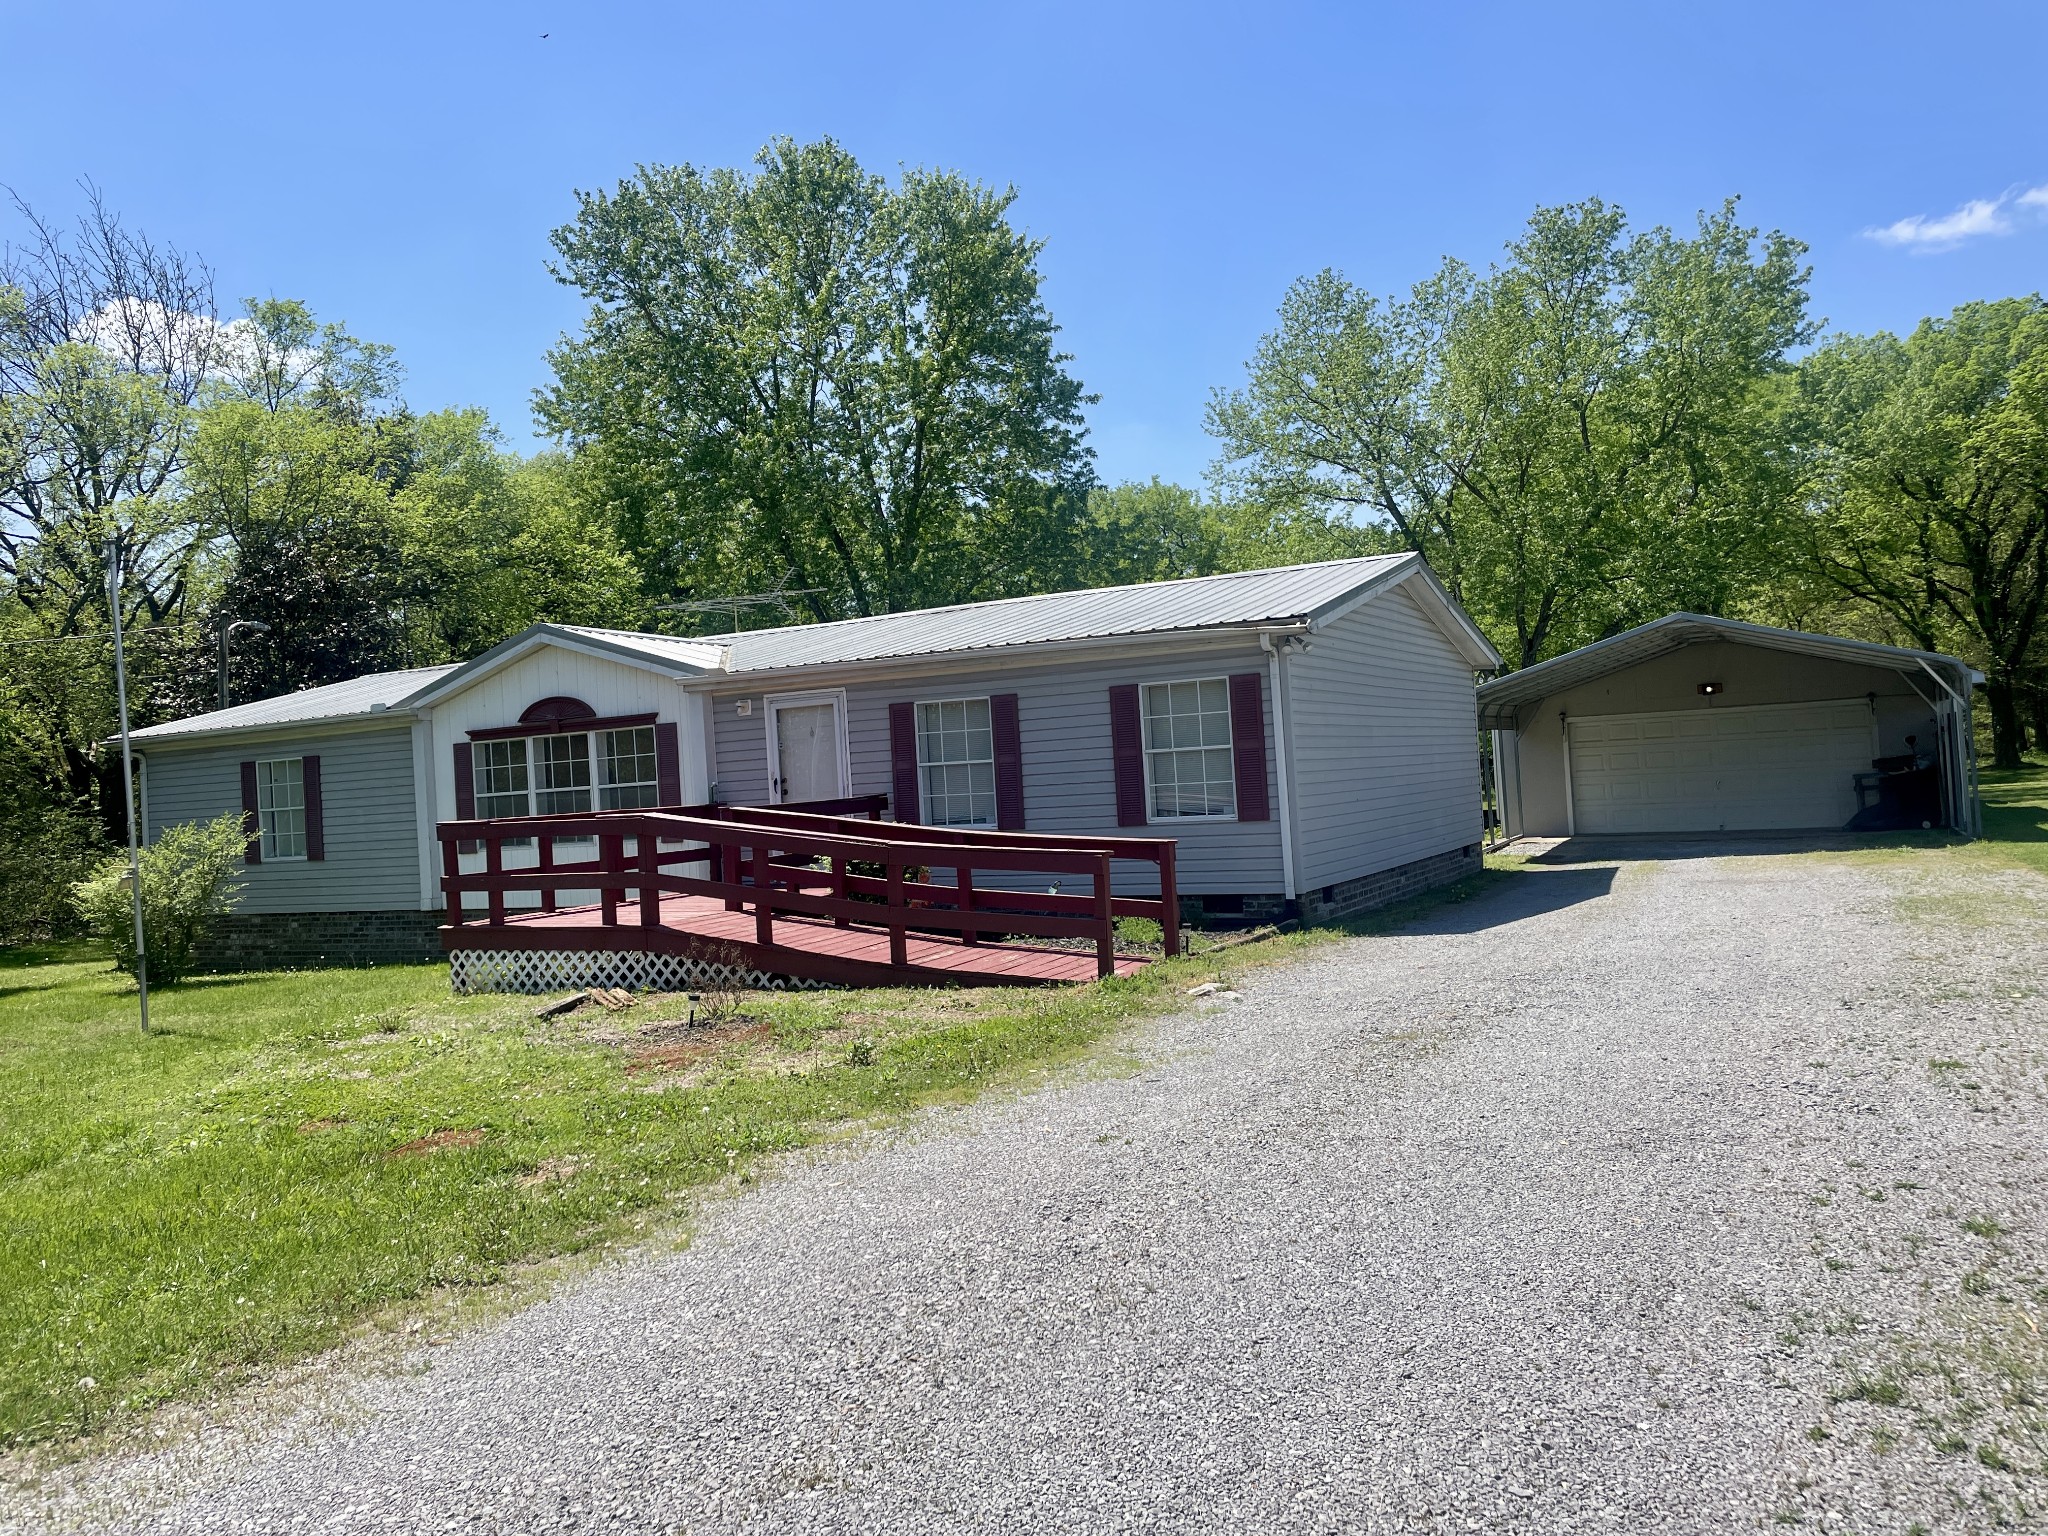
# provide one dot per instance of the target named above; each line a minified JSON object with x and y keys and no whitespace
{"x":439,"y":1141}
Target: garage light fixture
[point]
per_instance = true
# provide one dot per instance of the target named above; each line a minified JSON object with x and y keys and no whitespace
{"x":1710,"y":689}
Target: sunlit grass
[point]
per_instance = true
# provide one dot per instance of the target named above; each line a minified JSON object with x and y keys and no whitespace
{"x":291,"y":1152}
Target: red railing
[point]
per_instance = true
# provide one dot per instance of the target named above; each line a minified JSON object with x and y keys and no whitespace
{"x":808,"y":863}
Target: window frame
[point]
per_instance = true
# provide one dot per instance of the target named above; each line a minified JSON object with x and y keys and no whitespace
{"x":924,"y":787}
{"x":1228,"y":747}
{"x":266,"y":834}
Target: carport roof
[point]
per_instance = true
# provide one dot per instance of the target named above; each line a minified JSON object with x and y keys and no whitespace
{"x":1500,"y":699}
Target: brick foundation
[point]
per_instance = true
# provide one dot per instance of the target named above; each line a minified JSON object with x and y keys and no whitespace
{"x":1334,"y":903}
{"x":293,"y":941}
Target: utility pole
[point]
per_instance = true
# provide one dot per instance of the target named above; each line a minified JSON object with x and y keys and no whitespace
{"x":127,"y":772}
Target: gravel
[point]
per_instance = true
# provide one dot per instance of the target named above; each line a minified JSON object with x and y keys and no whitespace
{"x":1573,"y":1207}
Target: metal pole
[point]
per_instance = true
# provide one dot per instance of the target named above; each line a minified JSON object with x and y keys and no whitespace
{"x":223,"y":627}
{"x":128,"y":774}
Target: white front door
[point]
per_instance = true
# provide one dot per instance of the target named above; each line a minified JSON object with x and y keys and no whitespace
{"x":1769,"y":767}
{"x":806,"y":748}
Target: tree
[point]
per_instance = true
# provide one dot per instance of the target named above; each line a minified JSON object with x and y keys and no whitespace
{"x":107,"y":343}
{"x":1930,"y":498}
{"x":1579,"y":439}
{"x":810,"y":375}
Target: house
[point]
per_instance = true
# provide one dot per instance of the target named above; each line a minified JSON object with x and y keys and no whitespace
{"x":1305,"y":734}
{"x":1693,"y":724}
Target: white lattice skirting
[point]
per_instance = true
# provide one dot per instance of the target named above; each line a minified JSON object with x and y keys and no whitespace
{"x":556,"y":970}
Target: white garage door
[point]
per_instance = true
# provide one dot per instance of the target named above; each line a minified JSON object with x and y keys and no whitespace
{"x":1763,"y":768}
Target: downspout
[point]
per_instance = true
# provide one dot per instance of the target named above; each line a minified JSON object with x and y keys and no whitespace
{"x":1571,"y":809}
{"x":1282,"y":767}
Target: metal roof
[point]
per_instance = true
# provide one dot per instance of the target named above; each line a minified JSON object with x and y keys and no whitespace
{"x":1247,"y":599}
{"x":369,"y":694}
{"x":1304,"y":595}
{"x":1500,"y":699}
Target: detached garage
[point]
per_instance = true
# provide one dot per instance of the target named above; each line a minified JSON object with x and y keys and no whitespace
{"x":1703,"y":725}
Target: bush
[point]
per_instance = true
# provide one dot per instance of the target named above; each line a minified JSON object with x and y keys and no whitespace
{"x":188,"y":883}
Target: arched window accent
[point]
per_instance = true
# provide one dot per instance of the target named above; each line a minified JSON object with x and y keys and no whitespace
{"x":559,"y":710}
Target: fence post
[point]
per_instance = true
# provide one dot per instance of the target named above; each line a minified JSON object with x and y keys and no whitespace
{"x":451,"y":869}
{"x":963,"y":879}
{"x":764,"y":892}
{"x":649,"y":851}
{"x":494,"y":865}
{"x":729,"y":874}
{"x":898,"y":915}
{"x":1105,"y":936}
{"x":839,"y":888}
{"x":1169,"y":899}
{"x":544,"y":858}
{"x":611,"y":859}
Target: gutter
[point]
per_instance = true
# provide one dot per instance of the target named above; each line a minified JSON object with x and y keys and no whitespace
{"x":1283,"y":768}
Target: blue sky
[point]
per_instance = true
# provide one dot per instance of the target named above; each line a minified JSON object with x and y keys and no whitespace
{"x":399,"y":166}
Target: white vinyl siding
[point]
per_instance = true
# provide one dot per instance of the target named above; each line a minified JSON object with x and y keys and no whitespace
{"x":956,"y":763}
{"x":1383,"y":744}
{"x":1188,"y":770}
{"x":281,"y":807}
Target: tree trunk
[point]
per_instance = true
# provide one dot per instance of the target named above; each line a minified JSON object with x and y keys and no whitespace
{"x":2007,"y":739}
{"x":2037,"y":710}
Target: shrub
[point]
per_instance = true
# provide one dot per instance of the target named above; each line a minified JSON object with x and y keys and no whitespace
{"x":188,"y":883}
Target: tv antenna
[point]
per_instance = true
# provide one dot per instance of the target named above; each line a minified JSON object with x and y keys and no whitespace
{"x":742,"y":602}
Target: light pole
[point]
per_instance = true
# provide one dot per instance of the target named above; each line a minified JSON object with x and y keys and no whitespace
{"x":127,"y":772}
{"x":228,"y":627}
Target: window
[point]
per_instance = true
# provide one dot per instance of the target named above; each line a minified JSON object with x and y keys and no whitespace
{"x":501,"y":785}
{"x":564,"y":767}
{"x":956,"y":763}
{"x":554,"y":775}
{"x":281,"y":808}
{"x":1187,"y":749}
{"x":628,"y":778}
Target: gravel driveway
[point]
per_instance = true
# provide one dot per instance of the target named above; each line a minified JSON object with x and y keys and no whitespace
{"x":1621,"y":1198}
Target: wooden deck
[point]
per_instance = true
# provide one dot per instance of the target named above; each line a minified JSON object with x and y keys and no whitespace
{"x":805,"y":893}
{"x":812,"y":949}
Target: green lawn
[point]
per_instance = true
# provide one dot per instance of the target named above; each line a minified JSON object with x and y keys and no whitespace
{"x":292,"y":1153}
{"x":2016,"y":814}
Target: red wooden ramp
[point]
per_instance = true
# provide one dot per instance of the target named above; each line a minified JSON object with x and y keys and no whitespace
{"x":808,"y":895}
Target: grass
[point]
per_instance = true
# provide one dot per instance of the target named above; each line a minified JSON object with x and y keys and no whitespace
{"x":291,"y":1153}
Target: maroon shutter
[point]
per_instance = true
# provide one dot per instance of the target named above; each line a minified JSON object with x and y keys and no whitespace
{"x":903,"y":804}
{"x":316,"y":825}
{"x":1009,"y":745}
{"x":252,"y":824}
{"x":1127,"y":746}
{"x":465,"y":784}
{"x":668,"y":763}
{"x":1248,"y":744}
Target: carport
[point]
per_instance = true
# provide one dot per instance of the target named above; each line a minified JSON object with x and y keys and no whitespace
{"x":1692,"y":724}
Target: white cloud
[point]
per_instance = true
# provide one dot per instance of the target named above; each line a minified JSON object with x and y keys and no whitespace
{"x":1977,"y":218}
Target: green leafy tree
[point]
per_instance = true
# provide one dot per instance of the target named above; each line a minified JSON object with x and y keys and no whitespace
{"x":810,"y":375}
{"x":1585,"y":436}
{"x":1930,"y":493}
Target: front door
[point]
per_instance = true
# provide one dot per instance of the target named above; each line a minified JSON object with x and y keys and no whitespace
{"x":807,"y":758}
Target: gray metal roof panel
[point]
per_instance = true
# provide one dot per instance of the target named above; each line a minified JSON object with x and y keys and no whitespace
{"x":1500,"y":699}
{"x":1248,"y":598}
{"x":332,"y":701}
